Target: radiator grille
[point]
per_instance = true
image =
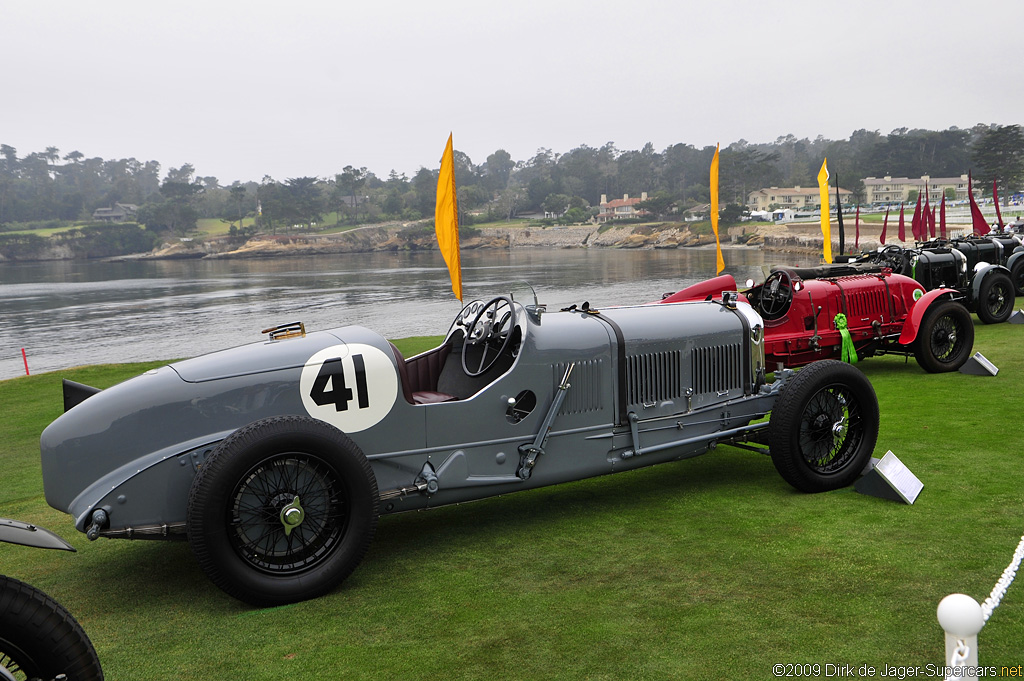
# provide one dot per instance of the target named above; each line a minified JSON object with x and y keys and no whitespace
{"x":585,"y":392}
{"x":871,"y":303}
{"x":717,"y":368}
{"x":653,"y":377}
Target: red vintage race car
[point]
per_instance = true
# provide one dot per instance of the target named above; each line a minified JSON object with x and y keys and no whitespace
{"x":808,"y":311}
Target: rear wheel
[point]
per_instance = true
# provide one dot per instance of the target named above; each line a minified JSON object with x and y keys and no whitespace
{"x":39,"y":639}
{"x":282,"y":511}
{"x":995,"y":298}
{"x":945,"y":339}
{"x":1017,"y":276}
{"x":823,"y":428}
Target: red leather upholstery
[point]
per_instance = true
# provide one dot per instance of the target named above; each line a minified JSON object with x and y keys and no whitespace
{"x":419,"y":377}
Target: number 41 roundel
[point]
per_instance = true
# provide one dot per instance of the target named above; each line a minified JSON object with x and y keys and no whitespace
{"x":352,"y":386}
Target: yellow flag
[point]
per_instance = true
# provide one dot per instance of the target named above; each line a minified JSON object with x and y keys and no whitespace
{"x":719,"y":262}
{"x":446,"y":218}
{"x":826,"y":227}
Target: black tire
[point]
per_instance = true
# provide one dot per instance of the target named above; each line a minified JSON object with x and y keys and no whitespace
{"x":40,"y":639}
{"x":239,"y":499}
{"x":823,"y":428}
{"x":945,"y":338}
{"x":1017,"y":277}
{"x":995,"y":298}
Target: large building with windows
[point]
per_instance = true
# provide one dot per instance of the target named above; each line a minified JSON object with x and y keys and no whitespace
{"x":620,"y":209}
{"x":888,"y":189}
{"x":808,"y":198}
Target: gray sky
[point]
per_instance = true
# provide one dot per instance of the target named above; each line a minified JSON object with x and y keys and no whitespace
{"x":246,"y":89}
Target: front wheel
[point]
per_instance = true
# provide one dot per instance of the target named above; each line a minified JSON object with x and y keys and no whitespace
{"x":995,"y":298}
{"x":823,"y":427}
{"x":282,"y":511}
{"x":39,"y":639}
{"x":945,"y":338}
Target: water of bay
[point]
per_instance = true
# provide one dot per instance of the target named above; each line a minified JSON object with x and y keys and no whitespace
{"x":71,"y":313}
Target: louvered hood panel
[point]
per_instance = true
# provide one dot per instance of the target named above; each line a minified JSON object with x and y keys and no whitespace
{"x":695,"y":356}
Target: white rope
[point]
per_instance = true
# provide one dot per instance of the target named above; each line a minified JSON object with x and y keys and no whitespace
{"x":999,"y":590}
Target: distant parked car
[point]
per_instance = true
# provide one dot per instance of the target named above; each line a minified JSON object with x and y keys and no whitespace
{"x":987,"y":271}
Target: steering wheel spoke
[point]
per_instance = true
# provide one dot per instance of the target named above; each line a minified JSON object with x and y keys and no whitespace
{"x":484,"y":330}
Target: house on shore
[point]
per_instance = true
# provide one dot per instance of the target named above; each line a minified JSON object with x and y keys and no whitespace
{"x":120,"y":212}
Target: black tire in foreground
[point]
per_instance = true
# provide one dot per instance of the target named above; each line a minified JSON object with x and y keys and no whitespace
{"x":945,"y":339}
{"x":40,"y":639}
{"x":995,"y":298}
{"x":823,"y":428}
{"x":282,"y":511}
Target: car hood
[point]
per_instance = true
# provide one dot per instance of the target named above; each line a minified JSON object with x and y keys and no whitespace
{"x":254,"y":358}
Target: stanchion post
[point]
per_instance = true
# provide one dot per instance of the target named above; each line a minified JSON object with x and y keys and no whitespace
{"x":24,"y":358}
{"x":961,"y":618}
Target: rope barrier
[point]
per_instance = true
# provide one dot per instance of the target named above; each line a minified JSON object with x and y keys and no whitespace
{"x":962,"y":618}
{"x":1005,"y":580}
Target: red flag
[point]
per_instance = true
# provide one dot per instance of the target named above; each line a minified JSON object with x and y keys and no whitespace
{"x":978,"y":222}
{"x":942,"y":217}
{"x":995,"y":200}
{"x":931,"y":222}
{"x":885,"y":225}
{"x":915,"y":222}
{"x":927,"y":226}
{"x":902,"y":234}
{"x":856,"y":233}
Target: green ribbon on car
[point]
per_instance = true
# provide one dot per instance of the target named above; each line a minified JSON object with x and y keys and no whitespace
{"x":849,"y":352}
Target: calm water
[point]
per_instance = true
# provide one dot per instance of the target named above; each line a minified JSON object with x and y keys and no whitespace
{"x":71,"y":313}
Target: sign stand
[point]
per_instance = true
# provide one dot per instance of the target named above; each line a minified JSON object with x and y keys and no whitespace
{"x":979,"y":365}
{"x":889,"y":478}
{"x":1017,"y":317}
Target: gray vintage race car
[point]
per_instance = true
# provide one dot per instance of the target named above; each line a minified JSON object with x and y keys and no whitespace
{"x":275,"y":459}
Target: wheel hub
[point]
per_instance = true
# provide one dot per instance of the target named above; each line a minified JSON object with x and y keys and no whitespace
{"x":292,"y":516}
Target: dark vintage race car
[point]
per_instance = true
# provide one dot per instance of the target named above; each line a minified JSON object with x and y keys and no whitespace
{"x":987,"y":271}
{"x":807,"y":310}
{"x":275,"y":459}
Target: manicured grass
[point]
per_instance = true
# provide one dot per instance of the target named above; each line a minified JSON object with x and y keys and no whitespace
{"x":707,"y":568}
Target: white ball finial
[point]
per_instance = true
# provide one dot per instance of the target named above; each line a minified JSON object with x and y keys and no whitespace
{"x":960,"y":615}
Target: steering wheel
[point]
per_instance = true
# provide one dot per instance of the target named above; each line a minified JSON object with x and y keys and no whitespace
{"x":891,"y":257}
{"x":483,"y":331}
{"x":776,"y":294}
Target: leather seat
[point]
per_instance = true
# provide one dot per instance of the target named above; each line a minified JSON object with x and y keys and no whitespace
{"x":427,"y":373}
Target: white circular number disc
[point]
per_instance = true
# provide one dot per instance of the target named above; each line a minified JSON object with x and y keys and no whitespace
{"x":351,"y":386}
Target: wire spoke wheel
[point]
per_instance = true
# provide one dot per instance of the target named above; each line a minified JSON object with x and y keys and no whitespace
{"x":282,"y":511}
{"x":823,"y":427}
{"x":831,"y":428}
{"x":258,"y":534}
{"x":945,"y":338}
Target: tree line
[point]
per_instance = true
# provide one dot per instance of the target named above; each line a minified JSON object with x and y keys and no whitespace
{"x":48,"y":189}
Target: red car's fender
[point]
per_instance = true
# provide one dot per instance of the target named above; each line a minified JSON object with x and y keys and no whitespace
{"x":913,"y":322}
{"x":705,"y":290}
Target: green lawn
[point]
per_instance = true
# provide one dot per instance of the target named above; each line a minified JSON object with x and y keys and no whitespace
{"x":711,"y":568}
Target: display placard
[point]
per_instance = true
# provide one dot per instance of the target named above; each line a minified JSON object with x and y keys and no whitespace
{"x":889,"y":478}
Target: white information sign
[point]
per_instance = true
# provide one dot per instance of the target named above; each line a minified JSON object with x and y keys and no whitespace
{"x":899,"y":477}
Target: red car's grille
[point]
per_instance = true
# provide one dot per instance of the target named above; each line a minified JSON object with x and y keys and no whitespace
{"x":868,"y":303}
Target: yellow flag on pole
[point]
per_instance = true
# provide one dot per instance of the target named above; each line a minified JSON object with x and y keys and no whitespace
{"x":826,"y":227}
{"x":446,"y":218}
{"x":719,"y":261}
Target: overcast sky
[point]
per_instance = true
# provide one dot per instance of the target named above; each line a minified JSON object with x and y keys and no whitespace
{"x":287,"y":89}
